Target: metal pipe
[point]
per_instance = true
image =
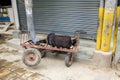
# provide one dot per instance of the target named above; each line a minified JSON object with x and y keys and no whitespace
{"x":102,"y":3}
{"x":116,"y":27}
{"x":29,"y":16}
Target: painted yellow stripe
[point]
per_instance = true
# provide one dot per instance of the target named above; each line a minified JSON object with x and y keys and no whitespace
{"x":116,"y":29}
{"x":107,"y":29}
{"x":99,"y":31}
{"x":4,"y":14}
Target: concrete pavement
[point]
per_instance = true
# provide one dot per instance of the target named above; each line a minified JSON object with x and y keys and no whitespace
{"x":50,"y":68}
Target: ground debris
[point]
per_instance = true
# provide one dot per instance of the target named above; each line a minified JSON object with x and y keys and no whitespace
{"x":7,"y":50}
{"x":2,"y":61}
{"x":4,"y":38}
{"x":3,"y":50}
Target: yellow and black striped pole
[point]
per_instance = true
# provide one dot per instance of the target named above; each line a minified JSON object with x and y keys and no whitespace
{"x":99,"y":31}
{"x":116,"y":27}
{"x":108,"y":24}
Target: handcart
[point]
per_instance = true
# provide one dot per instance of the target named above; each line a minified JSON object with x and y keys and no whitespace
{"x":34,"y":52}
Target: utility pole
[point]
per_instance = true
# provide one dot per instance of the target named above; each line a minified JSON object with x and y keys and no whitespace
{"x":117,"y":54}
{"x":103,"y":55}
{"x":116,"y":26}
{"x":116,"y":47}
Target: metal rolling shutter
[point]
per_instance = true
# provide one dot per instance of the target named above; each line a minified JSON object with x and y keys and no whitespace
{"x":64,"y":16}
{"x":22,"y":14}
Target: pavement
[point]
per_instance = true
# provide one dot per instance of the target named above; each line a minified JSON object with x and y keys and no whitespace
{"x":52,"y":67}
{"x":11,"y":67}
{"x":9,"y":71}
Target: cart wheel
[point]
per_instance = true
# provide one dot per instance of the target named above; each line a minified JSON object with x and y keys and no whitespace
{"x":68,"y":59}
{"x":43,"y":53}
{"x":31,"y":57}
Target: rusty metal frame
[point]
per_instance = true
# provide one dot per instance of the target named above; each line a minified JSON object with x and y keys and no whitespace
{"x":30,"y":44}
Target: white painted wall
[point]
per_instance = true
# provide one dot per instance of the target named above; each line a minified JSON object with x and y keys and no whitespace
{"x":11,"y":15}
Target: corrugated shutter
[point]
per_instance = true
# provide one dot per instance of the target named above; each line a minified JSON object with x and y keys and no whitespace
{"x":22,"y":14}
{"x":65,"y":16}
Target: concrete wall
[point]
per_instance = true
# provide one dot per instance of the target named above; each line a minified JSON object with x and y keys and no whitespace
{"x":11,"y":15}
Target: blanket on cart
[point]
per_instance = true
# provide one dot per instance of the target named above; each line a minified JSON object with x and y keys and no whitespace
{"x":60,"y":41}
